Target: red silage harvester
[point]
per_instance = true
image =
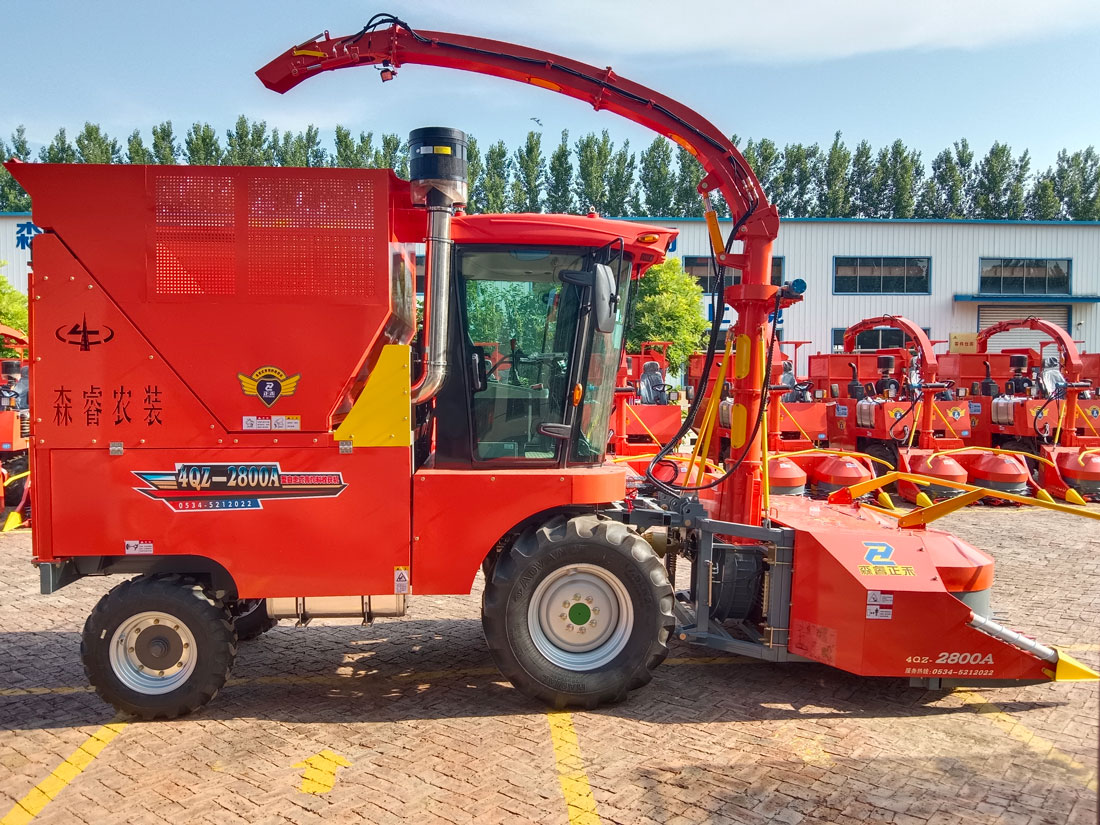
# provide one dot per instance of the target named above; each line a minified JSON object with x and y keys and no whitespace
{"x":647,"y":411}
{"x":1041,"y":409}
{"x":311,"y":475}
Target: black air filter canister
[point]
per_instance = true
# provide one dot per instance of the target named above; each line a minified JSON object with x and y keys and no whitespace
{"x":437,"y":160}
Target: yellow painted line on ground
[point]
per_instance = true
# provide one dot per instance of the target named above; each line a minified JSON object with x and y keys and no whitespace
{"x":1035,"y":743}
{"x":571,"y":774}
{"x":45,"y":791}
{"x":320,"y":771}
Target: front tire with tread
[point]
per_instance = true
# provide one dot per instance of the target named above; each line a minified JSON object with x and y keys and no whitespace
{"x":202,"y":618}
{"x":622,"y":569}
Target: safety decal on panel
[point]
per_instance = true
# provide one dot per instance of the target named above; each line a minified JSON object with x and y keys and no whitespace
{"x":269,"y":384}
{"x":400,"y":580}
{"x":196,"y":487}
{"x":271,"y":422}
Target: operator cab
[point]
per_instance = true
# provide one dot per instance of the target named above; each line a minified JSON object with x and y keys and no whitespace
{"x":536,"y":343}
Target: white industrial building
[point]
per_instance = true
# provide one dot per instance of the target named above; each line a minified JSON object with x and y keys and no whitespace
{"x":947,"y":276}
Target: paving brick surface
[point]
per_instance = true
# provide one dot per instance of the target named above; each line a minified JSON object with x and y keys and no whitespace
{"x":434,"y":735}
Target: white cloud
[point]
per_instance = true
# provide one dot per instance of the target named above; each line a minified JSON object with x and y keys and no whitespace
{"x":769,"y":32}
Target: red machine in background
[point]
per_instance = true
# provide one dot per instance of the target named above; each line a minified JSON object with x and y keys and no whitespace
{"x":15,"y":427}
{"x":918,"y":423}
{"x":1045,"y":413}
{"x":311,"y":475}
{"x":647,"y":411}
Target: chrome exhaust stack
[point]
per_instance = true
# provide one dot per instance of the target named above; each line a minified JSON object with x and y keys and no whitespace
{"x":437,"y":173}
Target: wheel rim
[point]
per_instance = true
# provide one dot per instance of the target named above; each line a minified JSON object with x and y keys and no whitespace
{"x":580,"y":617}
{"x":153,"y":652}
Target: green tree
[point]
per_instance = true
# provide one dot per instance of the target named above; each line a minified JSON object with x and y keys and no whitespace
{"x":898,"y":174}
{"x":13,"y":304}
{"x":247,"y":144}
{"x":590,"y":182}
{"x":620,"y":182}
{"x":302,"y":149}
{"x":766,"y":161}
{"x":943,"y":194}
{"x":687,"y":203}
{"x":999,"y":192}
{"x":166,"y":150}
{"x":797,"y":180}
{"x":657,"y":180}
{"x":833,"y":200}
{"x":93,"y":145}
{"x":351,"y":153}
{"x":559,"y":183}
{"x":393,"y":154}
{"x":475,"y":177}
{"x":12,"y":196}
{"x":861,"y":183}
{"x":1042,"y":201}
{"x":201,"y":147}
{"x":59,"y":150}
{"x":136,"y":153}
{"x":964,"y":162}
{"x":498,"y":172}
{"x":530,"y":175}
{"x":1077,"y":183}
{"x":667,"y":307}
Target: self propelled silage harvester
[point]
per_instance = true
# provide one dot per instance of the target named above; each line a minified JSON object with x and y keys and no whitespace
{"x":1041,"y":409}
{"x":304,"y":474}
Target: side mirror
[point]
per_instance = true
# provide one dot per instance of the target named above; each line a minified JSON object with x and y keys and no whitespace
{"x":602,"y":282}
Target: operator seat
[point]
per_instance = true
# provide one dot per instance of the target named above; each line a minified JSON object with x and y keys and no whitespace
{"x":787,"y":380}
{"x":651,"y":384}
{"x":1052,"y":380}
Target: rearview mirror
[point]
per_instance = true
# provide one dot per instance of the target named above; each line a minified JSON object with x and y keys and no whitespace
{"x":602,"y":282}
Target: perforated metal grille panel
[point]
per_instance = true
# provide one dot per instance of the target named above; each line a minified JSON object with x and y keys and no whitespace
{"x":312,"y":237}
{"x":195,"y":236}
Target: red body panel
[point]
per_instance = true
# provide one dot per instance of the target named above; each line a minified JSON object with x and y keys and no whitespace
{"x":843,"y":557}
{"x":459,"y":515}
{"x":343,"y":540}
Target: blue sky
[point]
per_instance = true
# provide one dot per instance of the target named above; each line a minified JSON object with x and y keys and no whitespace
{"x":928,"y":72}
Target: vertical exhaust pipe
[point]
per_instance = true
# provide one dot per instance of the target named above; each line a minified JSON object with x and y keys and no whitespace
{"x":437,"y":173}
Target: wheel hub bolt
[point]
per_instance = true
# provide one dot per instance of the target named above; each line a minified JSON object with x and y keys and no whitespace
{"x":179,"y":664}
{"x":160,"y":673}
{"x":156,"y":621}
{"x":565,"y":604}
{"x":591,"y":624}
{"x":569,"y":627}
{"x":581,"y":630}
{"x":595,"y":610}
{"x":186,"y":645}
{"x":588,"y":599}
{"x":561,"y":615}
{"x":141,"y":667}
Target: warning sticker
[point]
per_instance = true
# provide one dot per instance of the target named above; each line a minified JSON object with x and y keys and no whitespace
{"x":876,"y":612}
{"x":138,"y":547}
{"x":878,"y":597}
{"x":271,"y":422}
{"x":400,"y":580}
{"x":256,"y":422}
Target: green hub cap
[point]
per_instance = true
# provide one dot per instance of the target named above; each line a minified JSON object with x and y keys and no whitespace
{"x":580,"y":613}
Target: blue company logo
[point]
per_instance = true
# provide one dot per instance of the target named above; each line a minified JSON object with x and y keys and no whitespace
{"x":878,"y":553}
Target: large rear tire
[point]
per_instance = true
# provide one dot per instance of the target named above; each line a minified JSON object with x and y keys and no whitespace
{"x":578,"y":612}
{"x":158,"y":647}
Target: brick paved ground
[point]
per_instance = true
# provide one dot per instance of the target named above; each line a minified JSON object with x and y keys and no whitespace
{"x":434,"y":736}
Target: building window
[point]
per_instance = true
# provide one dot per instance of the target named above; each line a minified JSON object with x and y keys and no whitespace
{"x":882,"y":276}
{"x":699,"y":267}
{"x":1025,"y":276}
{"x":872,"y":339}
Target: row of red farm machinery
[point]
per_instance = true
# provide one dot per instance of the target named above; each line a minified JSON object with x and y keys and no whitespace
{"x":1019,"y":425}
